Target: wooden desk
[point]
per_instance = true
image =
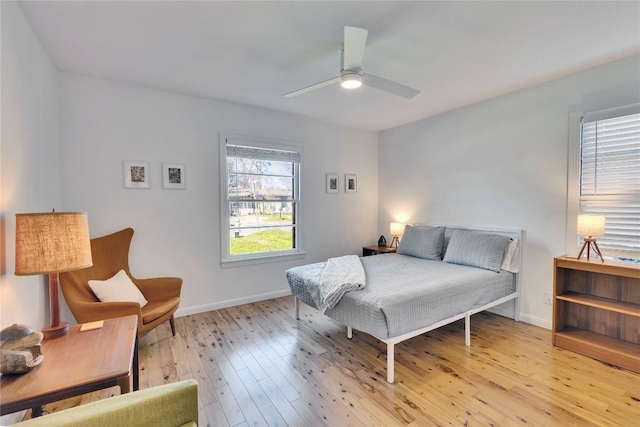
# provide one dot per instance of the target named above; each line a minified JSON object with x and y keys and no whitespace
{"x":74,"y":364}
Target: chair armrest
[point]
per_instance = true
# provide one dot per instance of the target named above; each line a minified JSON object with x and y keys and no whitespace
{"x":159,"y":288}
{"x":167,"y":405}
{"x":91,"y":311}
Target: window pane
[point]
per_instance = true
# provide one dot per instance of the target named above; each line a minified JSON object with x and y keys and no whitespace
{"x":260,"y":214}
{"x":260,"y":179}
{"x":260,"y":187}
{"x":261,"y":227}
{"x":256,"y":240}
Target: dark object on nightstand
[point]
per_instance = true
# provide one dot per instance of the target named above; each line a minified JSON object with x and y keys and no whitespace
{"x":377,"y":250}
{"x":382,"y":241}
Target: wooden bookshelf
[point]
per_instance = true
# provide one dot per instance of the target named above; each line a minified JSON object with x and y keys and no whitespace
{"x":596,"y":310}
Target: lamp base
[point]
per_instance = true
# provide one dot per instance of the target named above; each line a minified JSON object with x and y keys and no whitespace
{"x":394,"y":242}
{"x":51,"y":332}
{"x":590,"y":242}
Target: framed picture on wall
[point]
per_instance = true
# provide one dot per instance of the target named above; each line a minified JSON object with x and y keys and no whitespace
{"x":332,"y":183}
{"x":350,"y":183}
{"x":173,"y":176}
{"x":137,"y":175}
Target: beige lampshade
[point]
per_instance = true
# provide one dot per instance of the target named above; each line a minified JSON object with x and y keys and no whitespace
{"x":52,"y":242}
{"x":591,"y":225}
{"x":396,"y":228}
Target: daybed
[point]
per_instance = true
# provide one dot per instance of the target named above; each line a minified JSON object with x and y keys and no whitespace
{"x":438,"y":276}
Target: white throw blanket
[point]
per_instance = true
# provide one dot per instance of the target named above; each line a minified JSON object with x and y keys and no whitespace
{"x":340,"y":275}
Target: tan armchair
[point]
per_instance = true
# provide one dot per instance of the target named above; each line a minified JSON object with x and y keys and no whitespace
{"x":110,"y":255}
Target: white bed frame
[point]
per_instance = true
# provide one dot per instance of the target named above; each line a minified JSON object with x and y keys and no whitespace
{"x":391,"y":342}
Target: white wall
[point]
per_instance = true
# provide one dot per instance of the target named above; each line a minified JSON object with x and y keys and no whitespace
{"x":178,"y":231}
{"x":29,"y":157}
{"x":500,"y":163}
{"x":30,"y":180}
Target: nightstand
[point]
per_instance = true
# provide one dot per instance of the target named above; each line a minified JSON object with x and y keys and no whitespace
{"x":377,"y":250}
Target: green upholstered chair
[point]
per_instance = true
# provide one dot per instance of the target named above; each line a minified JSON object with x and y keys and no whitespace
{"x":168,"y":405}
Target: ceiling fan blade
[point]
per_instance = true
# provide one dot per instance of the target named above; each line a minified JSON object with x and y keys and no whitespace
{"x":312,"y":87}
{"x":389,"y":86}
{"x":354,"y":41}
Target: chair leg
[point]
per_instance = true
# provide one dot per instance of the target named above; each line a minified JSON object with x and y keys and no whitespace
{"x":173,"y":326}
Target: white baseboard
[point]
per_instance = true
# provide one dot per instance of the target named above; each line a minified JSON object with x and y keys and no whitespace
{"x":231,"y":303}
{"x":506,"y":310}
{"x":536,"y":321}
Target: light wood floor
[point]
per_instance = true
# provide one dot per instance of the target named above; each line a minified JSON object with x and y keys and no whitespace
{"x":258,"y":366}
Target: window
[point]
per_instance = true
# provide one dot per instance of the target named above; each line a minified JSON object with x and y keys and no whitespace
{"x":260,"y":199}
{"x":609,"y":177}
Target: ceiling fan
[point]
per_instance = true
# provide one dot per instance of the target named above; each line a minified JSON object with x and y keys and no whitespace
{"x":351,"y":74}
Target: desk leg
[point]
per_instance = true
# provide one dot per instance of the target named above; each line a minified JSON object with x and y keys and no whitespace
{"x":132,"y":381}
{"x":136,"y":370}
{"x":36,"y":411}
{"x":125,"y":384}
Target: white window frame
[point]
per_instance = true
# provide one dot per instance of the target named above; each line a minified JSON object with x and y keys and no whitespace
{"x":228,"y":260}
{"x":573,"y":241}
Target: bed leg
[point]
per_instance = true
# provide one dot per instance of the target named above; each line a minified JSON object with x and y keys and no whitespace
{"x":349,"y":332}
{"x":390,"y":363}
{"x":297,"y":307}
{"x":467,"y":330}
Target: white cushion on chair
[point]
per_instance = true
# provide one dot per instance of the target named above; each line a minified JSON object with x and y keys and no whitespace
{"x":119,"y":288}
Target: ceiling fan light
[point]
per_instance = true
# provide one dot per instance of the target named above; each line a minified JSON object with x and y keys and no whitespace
{"x":351,"y":80}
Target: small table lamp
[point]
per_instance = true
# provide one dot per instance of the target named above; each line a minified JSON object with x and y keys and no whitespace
{"x":51,"y":243}
{"x":396,"y":229}
{"x":591,"y":225}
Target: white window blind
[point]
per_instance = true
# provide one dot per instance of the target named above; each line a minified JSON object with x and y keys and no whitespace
{"x":260,"y":153}
{"x":610,"y":179}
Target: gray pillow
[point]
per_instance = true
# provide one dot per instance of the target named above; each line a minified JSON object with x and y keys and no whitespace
{"x":445,"y":245}
{"x":475,"y":249}
{"x":422,"y":242}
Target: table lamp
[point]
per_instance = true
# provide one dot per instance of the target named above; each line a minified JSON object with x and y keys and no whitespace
{"x":52,"y":243}
{"x":590,"y":225}
{"x":396,"y":229}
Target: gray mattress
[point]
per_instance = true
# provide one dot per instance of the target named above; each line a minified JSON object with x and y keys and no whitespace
{"x":404,"y":293}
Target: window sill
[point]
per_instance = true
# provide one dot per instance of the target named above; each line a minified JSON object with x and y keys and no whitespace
{"x":261,"y":260}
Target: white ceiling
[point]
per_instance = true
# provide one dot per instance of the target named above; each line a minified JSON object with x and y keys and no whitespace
{"x":455,"y":53}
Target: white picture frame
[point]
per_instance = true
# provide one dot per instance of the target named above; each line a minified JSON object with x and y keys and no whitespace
{"x":173,"y":176}
{"x":333,"y":183}
{"x":137,"y":175}
{"x":350,"y":183}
